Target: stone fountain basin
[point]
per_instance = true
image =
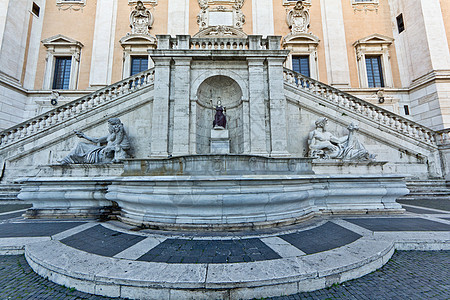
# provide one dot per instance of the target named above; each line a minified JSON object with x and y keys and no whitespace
{"x":210,"y":192}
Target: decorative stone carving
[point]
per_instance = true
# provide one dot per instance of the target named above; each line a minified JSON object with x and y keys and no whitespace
{"x":323,"y":144}
{"x":116,"y":148}
{"x":71,"y":5}
{"x":298,"y":18}
{"x":220,"y":31}
{"x":239,"y":17}
{"x":212,"y":14}
{"x":141,"y":19}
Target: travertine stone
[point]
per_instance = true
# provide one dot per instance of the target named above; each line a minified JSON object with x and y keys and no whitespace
{"x":181,"y":81}
{"x":257,"y":105}
{"x":220,"y":141}
{"x":278,"y":105}
{"x":160,"y":130}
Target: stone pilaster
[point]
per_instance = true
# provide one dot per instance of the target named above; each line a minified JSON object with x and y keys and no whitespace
{"x":256,"y":103}
{"x":180,"y":95}
{"x":103,"y":46}
{"x":160,"y":122}
{"x":278,"y":122}
{"x":334,"y":42}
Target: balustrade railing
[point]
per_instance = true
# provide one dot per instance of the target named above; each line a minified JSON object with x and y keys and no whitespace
{"x":184,"y":42}
{"x":65,"y":112}
{"x":443,"y":137}
{"x":361,"y":107}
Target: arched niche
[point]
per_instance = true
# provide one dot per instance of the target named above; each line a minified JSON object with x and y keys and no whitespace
{"x":228,"y":91}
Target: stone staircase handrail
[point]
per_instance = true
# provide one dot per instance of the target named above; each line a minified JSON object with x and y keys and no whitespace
{"x":73,"y":108}
{"x":368,"y":110}
{"x":443,"y":137}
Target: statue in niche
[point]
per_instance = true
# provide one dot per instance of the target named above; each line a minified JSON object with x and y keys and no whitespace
{"x":141,"y":19}
{"x":116,"y":148}
{"x":323,"y":144}
{"x":220,"y":120}
{"x":298,"y":18}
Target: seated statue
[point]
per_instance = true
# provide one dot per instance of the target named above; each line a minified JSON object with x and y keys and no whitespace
{"x":323,"y":144}
{"x":115,"y":150}
{"x":220,"y":120}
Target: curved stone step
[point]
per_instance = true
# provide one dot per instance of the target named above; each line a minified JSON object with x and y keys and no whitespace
{"x":114,"y":277}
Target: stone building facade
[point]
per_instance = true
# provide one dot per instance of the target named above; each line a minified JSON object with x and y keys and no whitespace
{"x":392,"y":53}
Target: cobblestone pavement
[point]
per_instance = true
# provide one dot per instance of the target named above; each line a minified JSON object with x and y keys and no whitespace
{"x":408,"y":275}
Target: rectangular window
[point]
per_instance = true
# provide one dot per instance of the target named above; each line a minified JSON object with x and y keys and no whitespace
{"x":400,"y":23}
{"x":300,"y":64}
{"x":374,"y":71}
{"x":35,"y":9}
{"x":61,"y":76}
{"x":406,"y":107}
{"x":138,"y":64}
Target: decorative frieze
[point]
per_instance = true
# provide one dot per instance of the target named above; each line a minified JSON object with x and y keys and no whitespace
{"x":75,"y":5}
{"x":365,"y":6}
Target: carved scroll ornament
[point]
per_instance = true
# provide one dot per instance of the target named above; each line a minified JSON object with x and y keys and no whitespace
{"x":141,"y":19}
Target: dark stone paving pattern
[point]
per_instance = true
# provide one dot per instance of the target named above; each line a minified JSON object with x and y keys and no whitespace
{"x":408,"y":275}
{"x":420,"y":211}
{"x":13,"y":207}
{"x":102,"y":241}
{"x":18,"y":281}
{"x":325,"y":237}
{"x":399,"y":224}
{"x":210,"y":251}
{"x":31,"y":229}
{"x":11,"y":215}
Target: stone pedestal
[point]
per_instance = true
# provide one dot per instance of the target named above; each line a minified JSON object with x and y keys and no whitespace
{"x":220,"y":141}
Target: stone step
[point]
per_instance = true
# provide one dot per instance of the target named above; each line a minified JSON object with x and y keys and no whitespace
{"x":9,"y":192}
{"x":427,"y":190}
{"x":414,"y":197}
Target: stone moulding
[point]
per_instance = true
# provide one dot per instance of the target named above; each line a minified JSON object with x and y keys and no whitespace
{"x":230,"y":202}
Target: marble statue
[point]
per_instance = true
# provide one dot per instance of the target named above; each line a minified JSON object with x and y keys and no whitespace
{"x":115,"y":150}
{"x":323,"y":144}
{"x":220,"y":120}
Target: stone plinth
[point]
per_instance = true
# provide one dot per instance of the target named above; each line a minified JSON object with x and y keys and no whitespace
{"x":220,"y":141}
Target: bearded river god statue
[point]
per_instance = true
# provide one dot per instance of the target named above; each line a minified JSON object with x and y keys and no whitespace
{"x":323,"y":144}
{"x":115,"y":150}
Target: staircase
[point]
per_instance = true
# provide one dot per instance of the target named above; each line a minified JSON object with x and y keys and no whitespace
{"x":74,"y":109}
{"x":437,"y":189}
{"x":8,"y":193}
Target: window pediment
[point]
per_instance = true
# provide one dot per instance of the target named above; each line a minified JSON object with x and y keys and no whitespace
{"x":134,"y":39}
{"x":61,"y":40}
{"x":300,"y":38}
{"x":374,"y":39}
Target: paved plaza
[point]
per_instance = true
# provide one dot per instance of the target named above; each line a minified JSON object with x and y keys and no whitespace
{"x":408,"y":275}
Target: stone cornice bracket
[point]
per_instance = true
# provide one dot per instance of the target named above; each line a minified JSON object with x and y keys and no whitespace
{"x":297,"y":18}
{"x":141,"y":19}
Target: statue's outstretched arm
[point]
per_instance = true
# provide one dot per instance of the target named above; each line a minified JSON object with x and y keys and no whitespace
{"x":81,"y":134}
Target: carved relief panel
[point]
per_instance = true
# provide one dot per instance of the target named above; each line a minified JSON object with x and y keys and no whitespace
{"x":298,"y":18}
{"x":220,"y":13}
